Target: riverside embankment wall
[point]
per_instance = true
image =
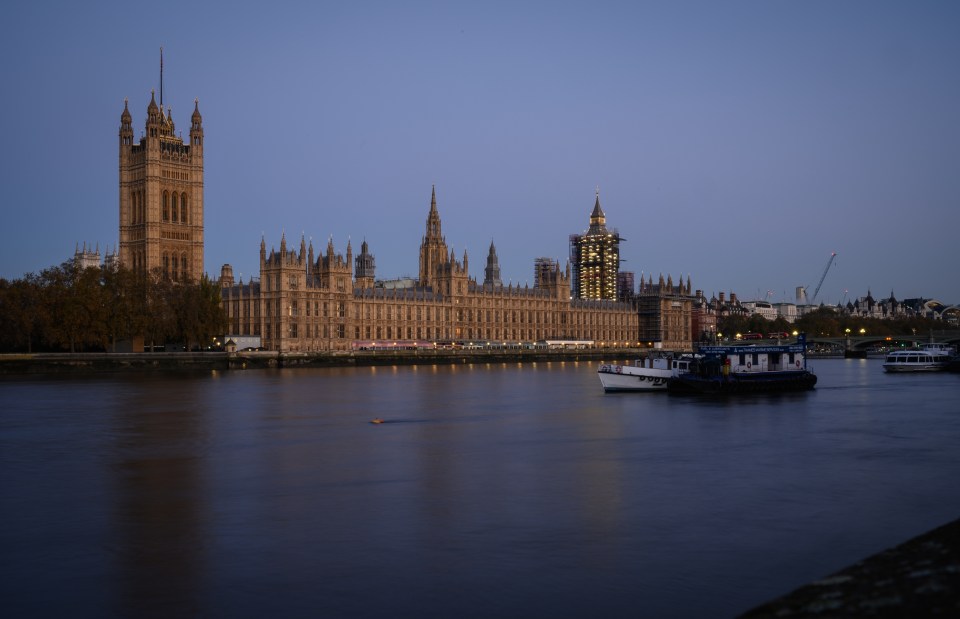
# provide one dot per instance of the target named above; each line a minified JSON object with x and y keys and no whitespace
{"x":67,"y":362}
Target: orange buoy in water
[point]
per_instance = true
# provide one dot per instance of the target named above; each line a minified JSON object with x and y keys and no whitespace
{"x":376,"y":420}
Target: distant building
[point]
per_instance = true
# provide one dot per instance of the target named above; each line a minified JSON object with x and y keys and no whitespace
{"x":787,"y":311}
{"x":764,"y":309}
{"x":595,"y":256}
{"x":111,"y":261}
{"x":731,"y":307}
{"x":703,"y":318}
{"x":86,"y":258}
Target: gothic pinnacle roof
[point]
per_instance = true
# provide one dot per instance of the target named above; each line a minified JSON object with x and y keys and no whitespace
{"x":597,"y":211}
{"x":597,"y":219}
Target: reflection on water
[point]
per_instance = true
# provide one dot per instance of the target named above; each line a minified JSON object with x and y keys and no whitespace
{"x":158,"y":526}
{"x":490,"y":490}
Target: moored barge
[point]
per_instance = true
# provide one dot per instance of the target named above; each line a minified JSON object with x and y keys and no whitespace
{"x":747,"y":369}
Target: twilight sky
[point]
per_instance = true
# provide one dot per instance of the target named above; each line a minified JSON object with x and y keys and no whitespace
{"x":737,"y":142}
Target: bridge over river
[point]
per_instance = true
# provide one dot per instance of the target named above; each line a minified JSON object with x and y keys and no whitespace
{"x":859,"y":345}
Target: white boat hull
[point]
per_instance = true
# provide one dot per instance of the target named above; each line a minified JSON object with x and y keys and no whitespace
{"x":631,"y":378}
{"x":914,"y":367}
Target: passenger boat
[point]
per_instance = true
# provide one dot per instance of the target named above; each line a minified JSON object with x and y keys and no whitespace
{"x":647,"y":374}
{"x":747,"y":369}
{"x":928,"y":358}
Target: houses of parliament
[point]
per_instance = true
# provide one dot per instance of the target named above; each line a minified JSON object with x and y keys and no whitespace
{"x":306,"y":301}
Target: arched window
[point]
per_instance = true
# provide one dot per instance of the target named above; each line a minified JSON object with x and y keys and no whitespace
{"x":166,"y":259}
{"x":166,"y":206}
{"x":174,"y":216}
{"x":183,"y":266}
{"x":183,"y":208}
{"x":133,"y":208}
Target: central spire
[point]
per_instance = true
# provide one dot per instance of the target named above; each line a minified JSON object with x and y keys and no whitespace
{"x":433,"y":248}
{"x":433,"y":218}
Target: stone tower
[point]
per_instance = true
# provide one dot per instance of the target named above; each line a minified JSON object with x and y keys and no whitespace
{"x":161,"y":194}
{"x":595,"y":255}
{"x":492,"y":271}
{"x":433,"y":247}
{"x":365,"y":267}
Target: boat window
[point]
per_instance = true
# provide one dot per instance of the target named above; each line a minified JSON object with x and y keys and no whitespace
{"x":774,"y":358}
{"x":791,"y":359}
{"x":892,"y":359}
{"x":742,"y":360}
{"x":756,"y":358}
{"x":911,"y":358}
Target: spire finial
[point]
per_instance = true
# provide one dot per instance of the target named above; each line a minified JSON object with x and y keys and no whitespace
{"x":161,"y":75}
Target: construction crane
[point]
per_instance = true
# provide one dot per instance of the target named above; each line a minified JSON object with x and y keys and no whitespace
{"x":824,"y":276}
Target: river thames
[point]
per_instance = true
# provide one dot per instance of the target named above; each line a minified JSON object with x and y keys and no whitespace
{"x":490,"y":491}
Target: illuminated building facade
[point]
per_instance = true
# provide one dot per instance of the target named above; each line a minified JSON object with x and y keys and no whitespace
{"x":595,"y":256}
{"x":304,"y":302}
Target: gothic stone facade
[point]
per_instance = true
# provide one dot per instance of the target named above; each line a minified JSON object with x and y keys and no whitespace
{"x":161,"y":196}
{"x":307,"y":303}
{"x":666,"y":313}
